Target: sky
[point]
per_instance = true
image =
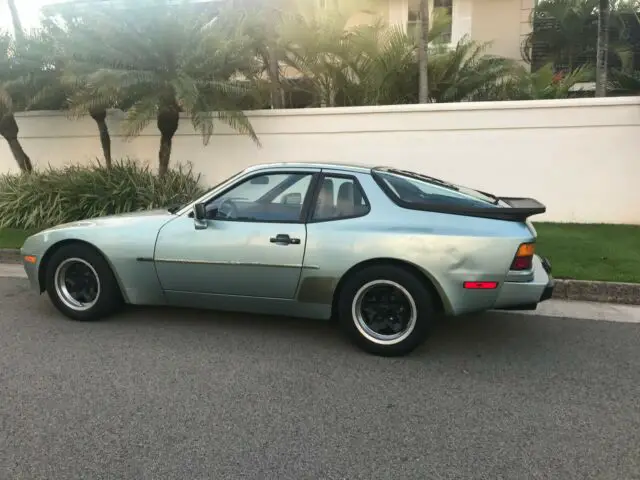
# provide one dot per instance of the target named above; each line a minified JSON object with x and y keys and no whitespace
{"x":29,"y":13}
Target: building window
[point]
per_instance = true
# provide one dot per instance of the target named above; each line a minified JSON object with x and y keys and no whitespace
{"x":439,"y":7}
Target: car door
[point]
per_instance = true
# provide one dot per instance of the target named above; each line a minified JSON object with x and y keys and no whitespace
{"x":252,"y":243}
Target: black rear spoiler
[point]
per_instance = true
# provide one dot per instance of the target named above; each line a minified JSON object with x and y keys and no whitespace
{"x":521,"y":208}
{"x":518,"y":210}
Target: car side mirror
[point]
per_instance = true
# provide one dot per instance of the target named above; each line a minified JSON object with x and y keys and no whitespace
{"x":199,"y":216}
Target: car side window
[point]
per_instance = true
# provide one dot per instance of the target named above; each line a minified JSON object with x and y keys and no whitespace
{"x":339,"y":198}
{"x":270,"y":197}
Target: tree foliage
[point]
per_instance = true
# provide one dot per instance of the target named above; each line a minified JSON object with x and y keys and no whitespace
{"x":160,"y":61}
{"x":159,"y":66}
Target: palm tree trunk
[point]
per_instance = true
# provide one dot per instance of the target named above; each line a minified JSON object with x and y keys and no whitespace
{"x":17,"y":24}
{"x":100,"y":117}
{"x":9,"y":130}
{"x":274,"y":77}
{"x":164,"y":156}
{"x":602,"y":48}
{"x":168,"y":119}
{"x":423,"y":45}
{"x":23,"y":160}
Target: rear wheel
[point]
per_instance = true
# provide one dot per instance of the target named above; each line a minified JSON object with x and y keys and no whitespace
{"x":80,"y":283}
{"x":386,"y":310}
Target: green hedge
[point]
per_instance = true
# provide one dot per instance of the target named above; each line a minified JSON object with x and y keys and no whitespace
{"x":58,"y":195}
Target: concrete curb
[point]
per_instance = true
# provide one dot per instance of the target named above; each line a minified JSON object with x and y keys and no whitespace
{"x":606,"y":292}
{"x":10,"y":255}
{"x":574,"y":290}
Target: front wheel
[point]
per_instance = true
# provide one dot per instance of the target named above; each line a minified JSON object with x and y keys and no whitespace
{"x":80,"y":283}
{"x":386,"y":310}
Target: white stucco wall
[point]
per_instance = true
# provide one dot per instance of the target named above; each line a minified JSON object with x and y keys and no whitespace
{"x":579,"y":157}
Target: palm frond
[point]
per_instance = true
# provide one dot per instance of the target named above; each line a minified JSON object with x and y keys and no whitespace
{"x":139,"y":115}
{"x":239,"y":122}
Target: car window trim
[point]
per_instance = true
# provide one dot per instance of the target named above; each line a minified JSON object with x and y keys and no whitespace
{"x":305,"y":203}
{"x":321,"y":176}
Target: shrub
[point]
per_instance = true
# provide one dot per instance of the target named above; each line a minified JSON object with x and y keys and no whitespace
{"x":59,"y":195}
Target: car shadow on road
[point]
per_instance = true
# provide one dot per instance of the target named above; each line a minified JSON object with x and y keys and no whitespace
{"x":490,"y":334}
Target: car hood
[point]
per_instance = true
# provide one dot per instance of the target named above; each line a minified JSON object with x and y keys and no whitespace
{"x":122,"y":219}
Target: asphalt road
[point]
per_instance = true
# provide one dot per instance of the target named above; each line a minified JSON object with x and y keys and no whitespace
{"x":176,"y":394}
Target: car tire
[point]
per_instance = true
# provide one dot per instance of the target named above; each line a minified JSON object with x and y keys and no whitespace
{"x":85,"y":263}
{"x":355,"y":308}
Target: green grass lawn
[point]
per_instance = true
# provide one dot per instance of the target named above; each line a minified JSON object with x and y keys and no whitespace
{"x":591,"y":252}
{"x":581,"y":252}
{"x":13,"y":238}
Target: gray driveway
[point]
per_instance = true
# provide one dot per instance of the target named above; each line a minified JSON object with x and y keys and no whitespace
{"x":175,"y":394}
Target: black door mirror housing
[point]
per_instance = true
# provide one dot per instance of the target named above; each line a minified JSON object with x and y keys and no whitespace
{"x":199,"y":212}
{"x":199,"y":216}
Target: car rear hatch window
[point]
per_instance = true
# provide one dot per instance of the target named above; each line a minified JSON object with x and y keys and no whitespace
{"x":421,"y":192}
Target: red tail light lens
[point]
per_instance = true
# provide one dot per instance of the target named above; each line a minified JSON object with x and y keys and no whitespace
{"x":524,"y":257}
{"x":480,"y":285}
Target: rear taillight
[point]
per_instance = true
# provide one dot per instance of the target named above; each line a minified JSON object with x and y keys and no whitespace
{"x":524,"y":257}
{"x":480,"y":285}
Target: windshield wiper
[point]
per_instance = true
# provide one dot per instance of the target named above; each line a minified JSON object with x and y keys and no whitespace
{"x":174,"y":208}
{"x":429,"y":179}
{"x":495,"y":199}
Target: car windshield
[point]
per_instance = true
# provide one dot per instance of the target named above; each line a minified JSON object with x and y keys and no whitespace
{"x":415,"y":187}
{"x":180,"y":206}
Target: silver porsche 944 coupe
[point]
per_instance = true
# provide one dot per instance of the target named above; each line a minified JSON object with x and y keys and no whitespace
{"x":385,"y":251}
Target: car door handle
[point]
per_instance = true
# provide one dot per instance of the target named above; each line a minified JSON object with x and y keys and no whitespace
{"x":285,"y":239}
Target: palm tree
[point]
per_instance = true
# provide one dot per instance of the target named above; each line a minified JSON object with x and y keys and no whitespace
{"x":318,"y":45}
{"x":423,"y":52}
{"x":9,"y":129}
{"x":8,"y":126}
{"x":571,"y":33}
{"x":466,"y":72}
{"x":542,"y":84}
{"x":161,"y":62}
{"x":384,"y":63}
{"x":602,"y":47}
{"x":18,"y":32}
{"x":562,"y":33}
{"x":260,"y":21}
{"x":37,"y":76}
{"x":65,"y":42}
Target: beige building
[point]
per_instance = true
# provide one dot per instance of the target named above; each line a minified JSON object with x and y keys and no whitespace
{"x":504,"y":23}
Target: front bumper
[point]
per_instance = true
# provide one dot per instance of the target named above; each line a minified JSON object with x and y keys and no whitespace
{"x":31,"y":269}
{"x":527,"y":295}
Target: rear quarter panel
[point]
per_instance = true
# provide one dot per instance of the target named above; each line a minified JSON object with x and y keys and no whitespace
{"x":448,"y":249}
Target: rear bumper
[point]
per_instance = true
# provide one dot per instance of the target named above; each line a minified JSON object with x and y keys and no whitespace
{"x":548,"y":290}
{"x":527,"y":295}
